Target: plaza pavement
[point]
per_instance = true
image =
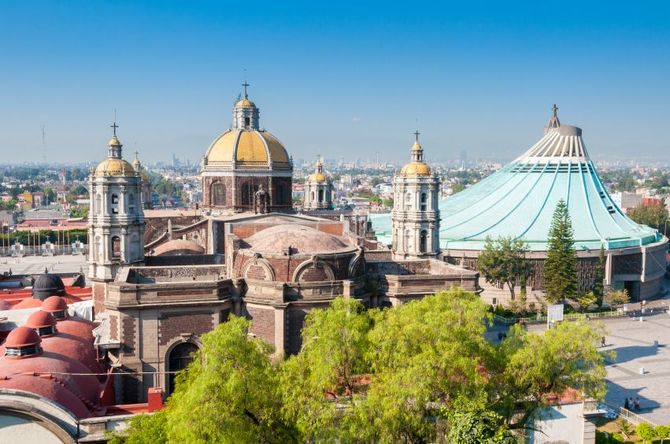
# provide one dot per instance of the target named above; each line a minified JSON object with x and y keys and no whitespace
{"x":37,"y":264}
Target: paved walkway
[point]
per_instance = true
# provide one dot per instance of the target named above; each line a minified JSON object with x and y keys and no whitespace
{"x":36,"y":264}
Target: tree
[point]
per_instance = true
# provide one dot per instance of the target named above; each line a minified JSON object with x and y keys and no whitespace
{"x":503,"y":261}
{"x":425,"y":363}
{"x":144,"y":429}
{"x":655,"y":216}
{"x":616,"y":297}
{"x":560,"y":267}
{"x":334,"y":344}
{"x":228,"y":394}
{"x":662,"y":432}
{"x":478,"y":428}
{"x":598,"y":288}
{"x":646,"y":432}
{"x":585,"y":300}
{"x":530,"y":369}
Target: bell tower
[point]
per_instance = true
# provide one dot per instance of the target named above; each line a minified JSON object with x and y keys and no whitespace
{"x":116,"y":219}
{"x":415,"y":215}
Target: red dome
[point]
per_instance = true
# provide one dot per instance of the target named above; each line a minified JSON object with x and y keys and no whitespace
{"x":28,"y":303}
{"x":40,"y":319}
{"x":81,"y":328}
{"x":54,"y":303}
{"x":73,"y":348}
{"x":22,"y":337}
{"x":74,"y":376}
{"x":48,"y":388}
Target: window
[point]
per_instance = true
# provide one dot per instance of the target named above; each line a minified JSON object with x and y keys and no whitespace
{"x":423,"y":241}
{"x":218,"y":195}
{"x":423,"y":201}
{"x":247,"y":194}
{"x":115,"y":202}
{"x":320,"y":196}
{"x":116,"y":246}
{"x":131,"y":202}
{"x":98,"y":204}
{"x":247,"y":121}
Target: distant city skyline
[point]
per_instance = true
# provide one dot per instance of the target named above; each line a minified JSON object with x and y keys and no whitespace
{"x":479,"y":77}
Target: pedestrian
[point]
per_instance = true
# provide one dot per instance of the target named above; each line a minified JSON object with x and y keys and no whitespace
{"x":626,"y":404}
{"x":637,"y":403}
{"x":602,"y":341}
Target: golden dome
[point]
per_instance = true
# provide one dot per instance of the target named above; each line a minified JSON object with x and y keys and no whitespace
{"x":317,"y":177}
{"x":114,"y":167}
{"x":416,"y":146}
{"x":114,"y":141}
{"x":248,"y":149}
{"x":415,"y":169}
{"x":245,"y":103}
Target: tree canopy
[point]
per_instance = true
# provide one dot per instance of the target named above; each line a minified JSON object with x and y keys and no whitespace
{"x":504,"y":261}
{"x":655,"y":216}
{"x":419,"y":372}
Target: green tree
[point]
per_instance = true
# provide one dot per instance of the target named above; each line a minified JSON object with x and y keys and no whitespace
{"x":229,"y":394}
{"x":144,"y":429}
{"x":585,"y":300}
{"x":528,"y":368}
{"x":483,"y":427}
{"x":616,"y":297}
{"x":425,"y":363}
{"x":560,"y":267}
{"x":324,"y":373}
{"x":598,"y":288}
{"x":646,"y":432}
{"x":655,"y":216}
{"x":662,"y":432}
{"x":503,"y":261}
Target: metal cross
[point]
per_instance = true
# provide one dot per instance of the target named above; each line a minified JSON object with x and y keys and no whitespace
{"x":114,"y":126}
{"x":245,"y":84}
{"x":416,"y":135}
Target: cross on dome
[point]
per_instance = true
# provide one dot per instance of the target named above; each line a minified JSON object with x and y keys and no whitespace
{"x":245,"y":85}
{"x":114,"y":126}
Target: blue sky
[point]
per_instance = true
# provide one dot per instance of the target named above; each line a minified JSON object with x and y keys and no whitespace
{"x":334,"y":78}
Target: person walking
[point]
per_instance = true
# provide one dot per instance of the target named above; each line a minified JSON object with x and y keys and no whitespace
{"x":626,"y":404}
{"x":637,"y":403}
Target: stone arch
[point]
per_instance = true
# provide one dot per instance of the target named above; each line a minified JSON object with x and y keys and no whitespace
{"x":314,"y":263}
{"x":356,"y":263}
{"x":177,"y":357}
{"x":259,"y":262}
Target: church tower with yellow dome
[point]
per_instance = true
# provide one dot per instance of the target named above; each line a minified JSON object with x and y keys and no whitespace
{"x":415,"y":216}
{"x":318,"y":190}
{"x":246,"y":168}
{"x":116,"y":219}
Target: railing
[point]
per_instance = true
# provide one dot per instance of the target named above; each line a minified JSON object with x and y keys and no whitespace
{"x":634,"y":418}
{"x":581,"y":316}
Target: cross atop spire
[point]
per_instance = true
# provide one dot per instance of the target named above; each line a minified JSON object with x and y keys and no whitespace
{"x":553,"y":121}
{"x":245,"y":85}
{"x":416,"y":135}
{"x":114,"y":126}
{"x":137,"y":153}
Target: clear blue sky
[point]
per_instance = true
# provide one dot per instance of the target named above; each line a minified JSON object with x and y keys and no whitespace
{"x":335,"y":78}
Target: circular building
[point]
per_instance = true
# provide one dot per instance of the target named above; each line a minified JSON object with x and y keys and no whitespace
{"x":246,"y":168}
{"x":519,"y":201}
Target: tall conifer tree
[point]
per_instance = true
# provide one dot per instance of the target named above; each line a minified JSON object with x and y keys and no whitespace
{"x":560,"y":268}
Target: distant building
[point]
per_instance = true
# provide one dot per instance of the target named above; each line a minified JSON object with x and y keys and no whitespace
{"x":318,"y":192}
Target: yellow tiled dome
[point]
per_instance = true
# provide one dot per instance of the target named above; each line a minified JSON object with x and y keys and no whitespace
{"x":317,"y":177}
{"x":415,"y":169}
{"x":245,"y":103}
{"x":249,"y":149}
{"x":114,"y":167}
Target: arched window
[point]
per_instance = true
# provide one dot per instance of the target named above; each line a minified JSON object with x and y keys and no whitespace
{"x":218,"y":195}
{"x":180,"y":357}
{"x":131,"y":203}
{"x":321,"y":196}
{"x":423,"y":201}
{"x":408,"y":201}
{"x":116,"y":246}
{"x":312,"y":195}
{"x":423,"y":241}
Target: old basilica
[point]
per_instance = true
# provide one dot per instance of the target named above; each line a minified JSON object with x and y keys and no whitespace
{"x":245,"y":253}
